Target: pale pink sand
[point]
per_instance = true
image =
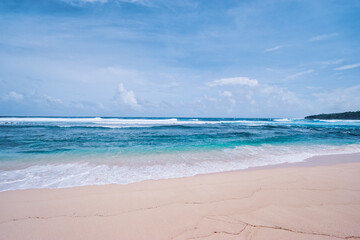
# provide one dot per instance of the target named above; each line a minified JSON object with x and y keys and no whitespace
{"x":319,"y":202}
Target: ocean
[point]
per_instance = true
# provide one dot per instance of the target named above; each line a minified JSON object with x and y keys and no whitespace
{"x":54,"y":152}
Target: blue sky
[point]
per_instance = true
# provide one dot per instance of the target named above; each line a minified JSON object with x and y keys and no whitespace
{"x":271,"y":58}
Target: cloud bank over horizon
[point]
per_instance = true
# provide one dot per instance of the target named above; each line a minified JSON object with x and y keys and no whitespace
{"x":179,"y":58}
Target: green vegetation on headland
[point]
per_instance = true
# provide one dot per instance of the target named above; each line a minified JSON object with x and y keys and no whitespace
{"x":344,"y":115}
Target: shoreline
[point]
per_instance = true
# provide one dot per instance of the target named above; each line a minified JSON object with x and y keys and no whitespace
{"x":307,"y":202}
{"x":319,"y":160}
{"x":315,"y":161}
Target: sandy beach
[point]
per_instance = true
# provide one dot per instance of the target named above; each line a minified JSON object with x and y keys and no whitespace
{"x":179,"y":120}
{"x":292,"y":202}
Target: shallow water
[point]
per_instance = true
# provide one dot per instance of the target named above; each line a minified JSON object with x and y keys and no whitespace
{"x":65,"y":152}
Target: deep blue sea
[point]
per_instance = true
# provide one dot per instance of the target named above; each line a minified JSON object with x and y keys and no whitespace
{"x":50,"y":152}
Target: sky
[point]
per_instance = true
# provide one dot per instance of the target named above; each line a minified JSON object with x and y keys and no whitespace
{"x":180,"y":58}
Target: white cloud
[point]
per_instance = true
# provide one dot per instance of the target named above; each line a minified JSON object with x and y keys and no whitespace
{"x":356,"y":65}
{"x":52,"y":100}
{"x":229,"y":97}
{"x":43,"y":98}
{"x":127,"y":97}
{"x":211,"y":99}
{"x":249,"y":96}
{"x":333,"y":62}
{"x":93,"y":1}
{"x":227,"y":94}
{"x":299,"y":74}
{"x":88,"y":105}
{"x":341,"y":99}
{"x":75,"y":2}
{"x":13,"y":96}
{"x":322,"y":37}
{"x":144,"y":2}
{"x":34,"y":97}
{"x":273,"y":48}
{"x":276,"y":95}
{"x":244,"y":81}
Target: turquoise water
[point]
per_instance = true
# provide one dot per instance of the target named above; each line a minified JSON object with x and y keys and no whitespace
{"x":64,"y":152}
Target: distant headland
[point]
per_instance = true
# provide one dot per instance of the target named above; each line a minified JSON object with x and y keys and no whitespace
{"x":344,"y":115}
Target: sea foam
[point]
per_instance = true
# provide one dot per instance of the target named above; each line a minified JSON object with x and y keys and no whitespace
{"x":160,"y":166}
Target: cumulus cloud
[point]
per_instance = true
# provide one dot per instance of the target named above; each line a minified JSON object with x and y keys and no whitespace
{"x":229,"y":97}
{"x":273,"y":48}
{"x":322,"y":37}
{"x":52,"y":100}
{"x":263,"y":100}
{"x":276,"y":95}
{"x":244,"y":81}
{"x":126,"y":97}
{"x":341,"y":99}
{"x":13,"y":96}
{"x":44,"y":99}
{"x":259,"y":96}
{"x":356,"y":65}
{"x":296,"y":75}
{"x":33,"y":97}
{"x":227,"y":94}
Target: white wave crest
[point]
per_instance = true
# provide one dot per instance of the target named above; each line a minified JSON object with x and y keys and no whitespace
{"x":146,"y":122}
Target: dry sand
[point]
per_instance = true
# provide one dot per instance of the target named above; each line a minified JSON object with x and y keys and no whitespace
{"x":318,"y":202}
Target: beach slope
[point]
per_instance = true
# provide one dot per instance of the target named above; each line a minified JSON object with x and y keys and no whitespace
{"x":318,"y":202}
